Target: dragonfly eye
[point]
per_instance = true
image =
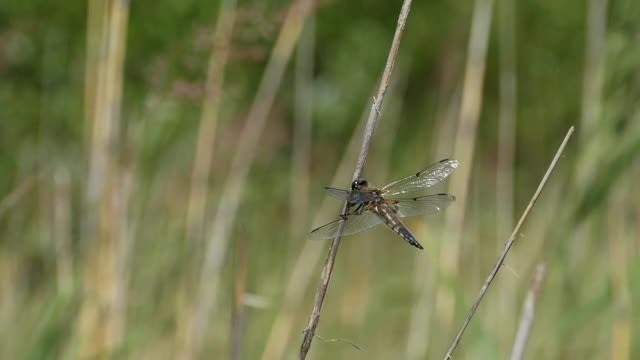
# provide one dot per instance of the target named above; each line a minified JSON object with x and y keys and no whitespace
{"x":358,"y":184}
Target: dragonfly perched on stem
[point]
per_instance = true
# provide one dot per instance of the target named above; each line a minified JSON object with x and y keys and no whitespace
{"x":368,"y":206}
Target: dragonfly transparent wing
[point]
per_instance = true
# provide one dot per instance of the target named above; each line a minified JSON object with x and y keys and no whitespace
{"x":423,"y":205}
{"x":422,"y":180}
{"x":337,"y":193}
{"x":354,"y":224}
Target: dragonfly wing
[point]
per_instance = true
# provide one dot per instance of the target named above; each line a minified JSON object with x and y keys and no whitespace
{"x":423,"y":205}
{"x":354,"y":224}
{"x":337,"y":193}
{"x":422,"y":180}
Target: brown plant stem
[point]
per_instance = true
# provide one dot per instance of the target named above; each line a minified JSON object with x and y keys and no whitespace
{"x":507,"y":247}
{"x":374,"y":115}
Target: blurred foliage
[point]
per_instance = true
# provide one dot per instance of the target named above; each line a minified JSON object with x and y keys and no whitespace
{"x":43,"y":126}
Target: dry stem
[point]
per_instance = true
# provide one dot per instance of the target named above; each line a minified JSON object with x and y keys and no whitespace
{"x":507,"y":247}
{"x":210,"y":274}
{"x":372,"y":121}
{"x":209,"y":120}
{"x":463,"y":151}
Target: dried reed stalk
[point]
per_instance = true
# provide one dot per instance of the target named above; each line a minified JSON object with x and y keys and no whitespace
{"x":418,"y":337}
{"x":209,"y":120}
{"x":204,"y":150}
{"x":505,"y":305}
{"x":231,"y":194}
{"x":507,"y":116}
{"x":301,"y":156}
{"x":374,"y":115}
{"x":100,"y":326}
{"x":463,"y":152}
{"x":507,"y":247}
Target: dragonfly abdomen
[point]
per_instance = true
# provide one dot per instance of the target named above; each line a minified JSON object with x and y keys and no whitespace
{"x":390,"y":218}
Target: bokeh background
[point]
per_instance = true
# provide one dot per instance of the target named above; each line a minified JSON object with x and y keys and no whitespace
{"x":161,"y":164}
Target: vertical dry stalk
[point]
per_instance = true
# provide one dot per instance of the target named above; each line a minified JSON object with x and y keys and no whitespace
{"x":99,"y":329}
{"x":463,"y":151}
{"x":424,"y":274}
{"x":101,"y":60}
{"x":593,"y":81}
{"x":95,"y":23}
{"x":196,"y":204}
{"x":209,"y":120}
{"x":505,"y":305}
{"x":528,"y":313}
{"x":594,"y":67}
{"x":507,"y":247}
{"x":299,"y":199}
{"x":306,"y":262}
{"x":372,"y":121}
{"x":232,"y":190}
{"x":507,"y":116}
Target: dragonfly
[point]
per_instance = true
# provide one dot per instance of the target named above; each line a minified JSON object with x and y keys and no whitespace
{"x":368,"y":206}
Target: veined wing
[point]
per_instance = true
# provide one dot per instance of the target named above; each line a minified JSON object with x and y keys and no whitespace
{"x":422,"y":180}
{"x":337,"y":193}
{"x":423,"y":205}
{"x":353,"y":224}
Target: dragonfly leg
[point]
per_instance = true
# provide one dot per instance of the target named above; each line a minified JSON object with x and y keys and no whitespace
{"x":359,"y":210}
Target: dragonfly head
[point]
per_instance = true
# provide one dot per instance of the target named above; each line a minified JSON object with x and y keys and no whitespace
{"x":358,"y":184}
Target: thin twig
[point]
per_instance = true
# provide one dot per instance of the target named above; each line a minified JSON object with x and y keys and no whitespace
{"x":528,"y":313}
{"x":507,"y":247}
{"x":372,"y":121}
